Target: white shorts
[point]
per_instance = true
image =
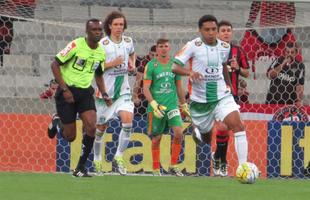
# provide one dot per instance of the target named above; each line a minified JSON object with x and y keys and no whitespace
{"x":204,"y":119}
{"x":105,"y":113}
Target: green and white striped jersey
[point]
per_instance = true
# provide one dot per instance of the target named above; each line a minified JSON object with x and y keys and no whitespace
{"x":116,"y":78}
{"x":207,"y":60}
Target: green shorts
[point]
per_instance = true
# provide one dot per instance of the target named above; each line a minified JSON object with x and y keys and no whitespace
{"x":157,"y":126}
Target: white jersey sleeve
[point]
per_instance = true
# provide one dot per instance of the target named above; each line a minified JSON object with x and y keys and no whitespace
{"x":184,"y":54}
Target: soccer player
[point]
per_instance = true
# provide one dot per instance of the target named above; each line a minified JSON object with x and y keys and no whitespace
{"x":120,"y":58}
{"x":209,"y":88}
{"x":237,"y":65}
{"x":74,"y":68}
{"x":162,"y":88}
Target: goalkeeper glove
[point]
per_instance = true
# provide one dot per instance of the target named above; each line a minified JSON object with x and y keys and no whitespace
{"x":159,"y":110}
{"x":185,"y":110}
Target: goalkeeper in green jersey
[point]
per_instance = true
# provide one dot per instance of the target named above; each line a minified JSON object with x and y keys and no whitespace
{"x":162,"y":88}
{"x":74,"y":68}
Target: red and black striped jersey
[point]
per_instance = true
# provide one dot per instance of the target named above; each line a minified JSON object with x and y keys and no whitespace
{"x":238,"y":53}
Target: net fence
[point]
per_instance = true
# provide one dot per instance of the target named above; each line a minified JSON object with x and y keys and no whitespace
{"x":32,"y":32}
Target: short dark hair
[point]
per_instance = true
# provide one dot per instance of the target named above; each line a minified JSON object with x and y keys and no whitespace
{"x":153,"y":48}
{"x":95,"y":20}
{"x":109,"y":19}
{"x":206,"y":18}
{"x":161,"y":41}
{"x":224,"y":23}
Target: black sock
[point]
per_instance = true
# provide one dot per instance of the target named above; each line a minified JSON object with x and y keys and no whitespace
{"x":87,"y":146}
{"x":221,"y":151}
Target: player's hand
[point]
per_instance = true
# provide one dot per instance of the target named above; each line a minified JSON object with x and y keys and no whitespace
{"x":118,"y":61}
{"x":185,"y":110}
{"x":159,"y":110}
{"x":106,"y":99}
{"x":195,"y":76}
{"x":234,"y":64}
{"x":131,"y":67}
{"x":68,"y":96}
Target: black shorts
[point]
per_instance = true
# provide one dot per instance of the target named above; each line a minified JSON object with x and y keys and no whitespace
{"x":83,"y":101}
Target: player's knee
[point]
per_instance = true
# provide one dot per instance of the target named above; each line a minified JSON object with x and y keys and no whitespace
{"x":70,"y":138}
{"x":90,"y":130}
{"x":69,"y":134}
{"x":178,"y":138}
{"x":156,"y":141}
{"x":101,"y":129}
{"x":237,"y":127}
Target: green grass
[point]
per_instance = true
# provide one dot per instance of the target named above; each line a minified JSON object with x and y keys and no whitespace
{"x":24,"y":186}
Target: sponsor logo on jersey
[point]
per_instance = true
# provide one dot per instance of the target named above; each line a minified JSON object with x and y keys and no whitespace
{"x":68,"y":48}
{"x":198,"y":43}
{"x":212,"y":70}
{"x":105,"y":42}
{"x":127,"y":39}
{"x":286,"y":77}
{"x":225,"y":44}
{"x":165,"y":85}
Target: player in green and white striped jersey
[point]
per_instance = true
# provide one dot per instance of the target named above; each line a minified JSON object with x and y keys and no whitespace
{"x":209,"y":88}
{"x":120,"y":58}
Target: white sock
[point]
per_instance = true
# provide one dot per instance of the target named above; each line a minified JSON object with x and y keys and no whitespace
{"x":98,"y":143}
{"x":123,"y":139}
{"x":241,"y":146}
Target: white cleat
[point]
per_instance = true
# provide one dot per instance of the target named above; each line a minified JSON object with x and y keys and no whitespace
{"x":120,"y":165}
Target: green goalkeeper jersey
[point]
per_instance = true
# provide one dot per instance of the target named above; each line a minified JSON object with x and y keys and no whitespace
{"x":163,"y":87}
{"x":79,"y":62}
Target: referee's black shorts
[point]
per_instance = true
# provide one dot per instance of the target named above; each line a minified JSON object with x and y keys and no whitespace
{"x":83,"y":101}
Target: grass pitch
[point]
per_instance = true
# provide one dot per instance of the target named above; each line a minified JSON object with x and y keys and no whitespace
{"x":31,"y":186}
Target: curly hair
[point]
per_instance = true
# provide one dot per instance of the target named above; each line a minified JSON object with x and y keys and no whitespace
{"x":109,"y":19}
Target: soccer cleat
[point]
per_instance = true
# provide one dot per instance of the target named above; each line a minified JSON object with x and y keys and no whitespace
{"x":215,"y":165}
{"x":81,"y":173}
{"x":174,"y":170}
{"x":223,"y":169}
{"x":98,"y":166}
{"x":156,"y":172}
{"x":197,"y":136}
{"x":52,"y":127}
{"x":120,"y":165}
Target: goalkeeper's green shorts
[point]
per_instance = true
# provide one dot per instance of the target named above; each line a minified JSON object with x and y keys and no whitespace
{"x":157,"y":126}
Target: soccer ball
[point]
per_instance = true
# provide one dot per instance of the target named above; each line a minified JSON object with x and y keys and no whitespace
{"x":247,"y":173}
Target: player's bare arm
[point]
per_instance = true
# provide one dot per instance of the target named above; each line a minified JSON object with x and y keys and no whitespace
{"x":146,"y":90}
{"x":226,"y":75}
{"x":132,"y":62}
{"x":65,"y":91}
{"x":101,"y":87}
{"x":299,"y":94}
{"x":273,"y":73}
{"x":194,"y":76}
{"x":136,"y":87}
{"x":181,"y":96}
